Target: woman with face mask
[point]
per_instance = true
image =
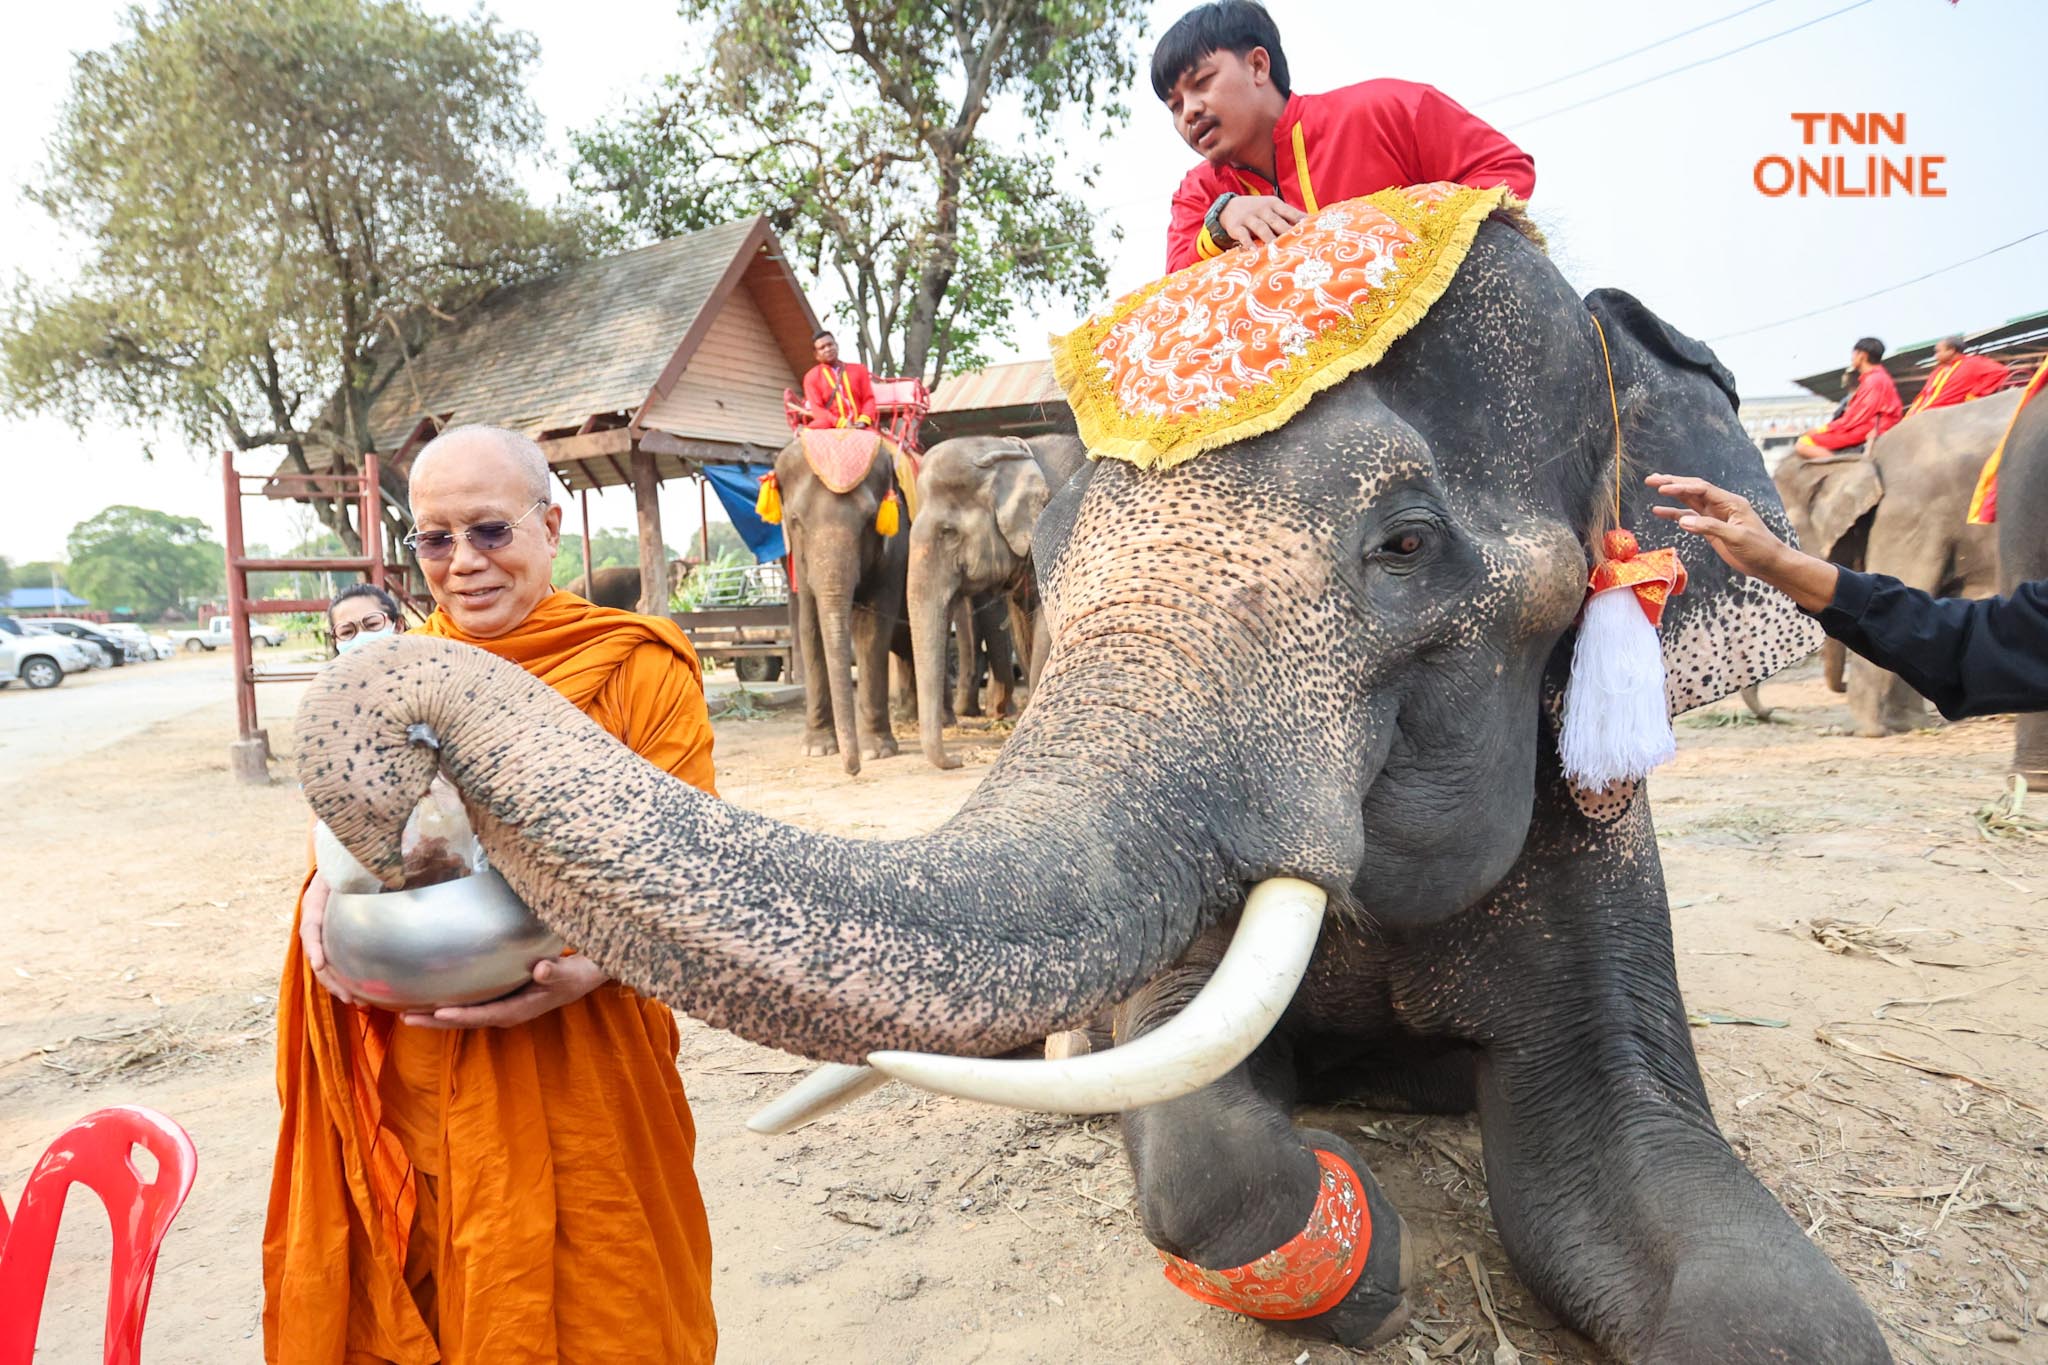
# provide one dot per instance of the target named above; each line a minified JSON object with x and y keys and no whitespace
{"x":362,"y":612}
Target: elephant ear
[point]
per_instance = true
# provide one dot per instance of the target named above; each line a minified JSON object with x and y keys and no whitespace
{"x":1825,"y":498}
{"x":1018,"y":489}
{"x":1678,"y":416}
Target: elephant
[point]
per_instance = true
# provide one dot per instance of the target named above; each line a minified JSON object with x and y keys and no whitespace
{"x":1325,"y":661}
{"x":1902,"y":510}
{"x":978,"y":498}
{"x":850,"y":605}
{"x":619,"y":585}
{"x":2023,"y":555}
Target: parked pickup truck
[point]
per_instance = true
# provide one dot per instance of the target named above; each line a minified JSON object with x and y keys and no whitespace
{"x":220,"y":631}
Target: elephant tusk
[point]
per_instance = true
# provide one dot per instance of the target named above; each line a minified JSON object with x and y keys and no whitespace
{"x":819,"y":1093}
{"x":1242,"y":1001}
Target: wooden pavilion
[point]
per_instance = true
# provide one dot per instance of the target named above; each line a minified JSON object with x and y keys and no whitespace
{"x":628,"y":370}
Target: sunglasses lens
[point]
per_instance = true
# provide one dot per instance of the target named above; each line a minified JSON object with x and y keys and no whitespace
{"x":491,"y":535}
{"x":433,"y":544}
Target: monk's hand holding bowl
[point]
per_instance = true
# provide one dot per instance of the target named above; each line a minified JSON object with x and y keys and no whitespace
{"x":312,"y":923}
{"x":557,"y":981}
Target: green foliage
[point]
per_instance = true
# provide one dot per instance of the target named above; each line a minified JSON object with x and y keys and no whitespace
{"x":857,"y":125}
{"x":608,"y":550}
{"x":134,"y":559}
{"x":275,"y":201}
{"x":6,"y":575}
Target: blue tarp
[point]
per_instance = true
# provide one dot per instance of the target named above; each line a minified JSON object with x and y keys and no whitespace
{"x":737,"y":485}
{"x":57,"y":599}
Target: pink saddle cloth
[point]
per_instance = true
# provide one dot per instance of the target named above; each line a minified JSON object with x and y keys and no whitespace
{"x":841,"y":456}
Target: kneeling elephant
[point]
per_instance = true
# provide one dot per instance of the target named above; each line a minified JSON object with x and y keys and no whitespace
{"x":1331,"y":653}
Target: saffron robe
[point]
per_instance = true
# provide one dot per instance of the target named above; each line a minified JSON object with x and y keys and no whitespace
{"x":1353,"y":142}
{"x":1873,"y":410}
{"x":841,"y":395}
{"x":500,"y":1196}
{"x":1965,"y":377}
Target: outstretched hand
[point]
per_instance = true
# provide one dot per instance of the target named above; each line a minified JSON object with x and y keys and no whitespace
{"x":1744,"y":542}
{"x":312,"y":939}
{"x":557,"y":981}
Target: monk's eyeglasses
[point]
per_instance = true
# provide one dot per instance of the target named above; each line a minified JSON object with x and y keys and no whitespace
{"x":486,"y":536}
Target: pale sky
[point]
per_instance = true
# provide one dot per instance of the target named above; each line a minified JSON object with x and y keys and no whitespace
{"x":1648,"y":191}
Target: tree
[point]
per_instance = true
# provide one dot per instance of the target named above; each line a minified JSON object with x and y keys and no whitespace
{"x":6,"y":575}
{"x":276,"y":203}
{"x":858,"y":126}
{"x":144,"y":561}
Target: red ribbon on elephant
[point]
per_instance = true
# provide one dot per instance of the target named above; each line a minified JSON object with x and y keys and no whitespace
{"x":1307,"y":1275}
{"x":1657,"y":576}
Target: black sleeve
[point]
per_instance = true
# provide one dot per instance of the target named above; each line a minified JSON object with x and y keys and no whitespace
{"x":1970,"y":658}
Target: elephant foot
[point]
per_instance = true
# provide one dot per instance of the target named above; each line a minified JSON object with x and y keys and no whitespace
{"x":941,"y":760}
{"x":1375,"y":1309}
{"x":2036,"y":779}
{"x":820,"y":743}
{"x":967,"y":706}
{"x":882,"y":746}
{"x":1002,"y":705}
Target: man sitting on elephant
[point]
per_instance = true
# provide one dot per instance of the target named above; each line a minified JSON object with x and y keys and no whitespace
{"x":1269,"y":155}
{"x":838,"y":393}
{"x":1873,"y":409}
{"x":1958,"y":377}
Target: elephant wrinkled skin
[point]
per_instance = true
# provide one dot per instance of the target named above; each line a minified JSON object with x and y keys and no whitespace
{"x":1334,"y":652}
{"x":2022,"y":528}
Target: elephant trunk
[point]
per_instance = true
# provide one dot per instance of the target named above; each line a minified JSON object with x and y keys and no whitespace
{"x":931,"y":594}
{"x":1050,"y":896}
{"x":833,"y":600}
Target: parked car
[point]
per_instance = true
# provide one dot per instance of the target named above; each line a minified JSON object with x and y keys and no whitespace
{"x":39,"y":660}
{"x":220,"y":631}
{"x":97,"y":655}
{"x":118,"y":651}
{"x":133,"y":638}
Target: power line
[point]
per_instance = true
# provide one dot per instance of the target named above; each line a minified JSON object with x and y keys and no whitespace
{"x":1632,"y":52}
{"x":1689,"y":66}
{"x":1940,"y":270}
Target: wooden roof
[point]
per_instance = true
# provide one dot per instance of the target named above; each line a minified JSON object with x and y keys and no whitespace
{"x":582,"y":359}
{"x":1018,"y":399}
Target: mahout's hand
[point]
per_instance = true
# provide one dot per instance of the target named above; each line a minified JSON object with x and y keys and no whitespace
{"x":1258,"y":218}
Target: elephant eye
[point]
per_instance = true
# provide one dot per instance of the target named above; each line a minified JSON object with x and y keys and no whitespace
{"x":1402,"y":544}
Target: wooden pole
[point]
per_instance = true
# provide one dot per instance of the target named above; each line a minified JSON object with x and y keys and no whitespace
{"x":704,"y":515}
{"x":653,"y":555}
{"x":589,"y":585}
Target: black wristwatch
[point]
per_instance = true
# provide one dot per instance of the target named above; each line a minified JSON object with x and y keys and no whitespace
{"x":1213,"y":224}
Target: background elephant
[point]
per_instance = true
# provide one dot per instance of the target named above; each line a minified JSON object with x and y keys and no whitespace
{"x":978,"y":499}
{"x":1903,"y":511}
{"x":850,"y":605}
{"x":2023,"y":554}
{"x":619,"y":585}
{"x":1333,"y":653}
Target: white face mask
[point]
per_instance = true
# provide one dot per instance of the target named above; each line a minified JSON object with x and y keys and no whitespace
{"x":363,"y":637}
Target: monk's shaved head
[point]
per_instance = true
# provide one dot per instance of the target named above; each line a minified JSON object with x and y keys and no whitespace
{"x":487,"y":530}
{"x":521,"y":453}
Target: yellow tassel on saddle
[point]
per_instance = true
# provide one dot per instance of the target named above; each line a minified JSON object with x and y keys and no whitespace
{"x":768,"y":503}
{"x":886,"y":518}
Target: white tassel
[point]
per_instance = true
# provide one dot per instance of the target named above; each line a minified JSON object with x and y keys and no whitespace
{"x":1616,"y":725}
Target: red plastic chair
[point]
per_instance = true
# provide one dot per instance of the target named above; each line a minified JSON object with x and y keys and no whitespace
{"x":97,"y":1151}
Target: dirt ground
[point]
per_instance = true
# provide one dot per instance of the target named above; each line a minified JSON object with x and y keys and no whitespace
{"x":1862,"y":949}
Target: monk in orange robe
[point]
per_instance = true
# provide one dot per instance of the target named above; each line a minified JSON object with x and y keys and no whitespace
{"x":1958,"y":377}
{"x":510,"y":1182}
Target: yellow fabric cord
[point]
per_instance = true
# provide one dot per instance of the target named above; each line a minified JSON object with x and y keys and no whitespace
{"x":1308,"y":193}
{"x":1272,"y":325}
{"x":1987,"y":478}
{"x":1614,"y":406}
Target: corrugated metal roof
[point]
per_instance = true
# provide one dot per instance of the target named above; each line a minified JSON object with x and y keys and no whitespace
{"x":999,"y":386}
{"x":549,"y":353}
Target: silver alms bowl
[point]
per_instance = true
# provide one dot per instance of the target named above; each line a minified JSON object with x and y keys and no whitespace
{"x":453,"y":943}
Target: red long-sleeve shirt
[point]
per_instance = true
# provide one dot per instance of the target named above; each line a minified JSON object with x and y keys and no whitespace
{"x":1873,"y":410}
{"x":1350,"y":142}
{"x":841,"y":395}
{"x":1965,"y":377}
